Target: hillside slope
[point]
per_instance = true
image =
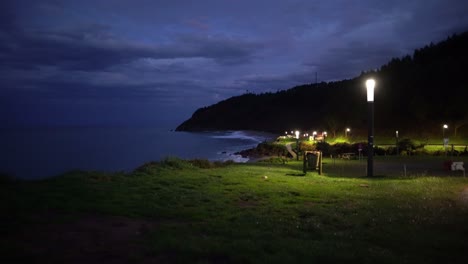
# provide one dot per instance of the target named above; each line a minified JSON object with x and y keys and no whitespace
{"x":417,"y":92}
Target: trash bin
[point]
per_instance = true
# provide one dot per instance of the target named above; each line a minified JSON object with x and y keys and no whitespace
{"x":312,"y":161}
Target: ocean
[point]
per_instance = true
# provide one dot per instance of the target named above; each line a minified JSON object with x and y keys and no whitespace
{"x":46,"y":152}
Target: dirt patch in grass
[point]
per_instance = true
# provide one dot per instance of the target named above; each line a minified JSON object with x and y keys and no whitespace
{"x":84,"y":239}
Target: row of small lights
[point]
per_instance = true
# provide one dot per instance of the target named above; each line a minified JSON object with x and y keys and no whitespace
{"x":445,"y":126}
{"x":297,"y":133}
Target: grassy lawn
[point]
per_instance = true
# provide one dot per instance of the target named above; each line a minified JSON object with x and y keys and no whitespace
{"x":240,"y":213}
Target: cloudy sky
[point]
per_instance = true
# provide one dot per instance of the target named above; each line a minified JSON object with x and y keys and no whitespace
{"x":93,"y":62}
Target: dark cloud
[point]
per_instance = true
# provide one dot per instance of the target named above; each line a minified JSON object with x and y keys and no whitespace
{"x":94,"y":49}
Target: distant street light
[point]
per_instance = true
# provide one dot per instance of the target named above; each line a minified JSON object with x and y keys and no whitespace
{"x":370,"y":85}
{"x":314,"y":134}
{"x":397,"y":147}
{"x":324,"y":135}
{"x":445,"y":141}
{"x":445,"y":126}
{"x":347,"y":131}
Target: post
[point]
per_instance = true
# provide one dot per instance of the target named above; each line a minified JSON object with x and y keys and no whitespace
{"x":370,"y":140}
{"x":370,"y":84}
{"x":297,"y":144}
{"x":297,"y":148}
{"x":304,"y":163}
{"x":397,"y":147}
{"x":320,"y":162}
{"x":445,"y":126}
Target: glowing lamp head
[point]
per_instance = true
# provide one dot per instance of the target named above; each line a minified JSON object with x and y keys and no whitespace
{"x":347,"y":130}
{"x":314,"y":133}
{"x":445,"y":126}
{"x":370,"y":84}
{"x":297,"y":134}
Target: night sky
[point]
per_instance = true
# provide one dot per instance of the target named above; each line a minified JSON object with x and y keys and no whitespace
{"x":115,"y":62}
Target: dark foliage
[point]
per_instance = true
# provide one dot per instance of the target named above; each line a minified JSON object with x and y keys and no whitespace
{"x":324,"y":147}
{"x":429,"y":87}
{"x":265,"y":149}
{"x":206,"y":164}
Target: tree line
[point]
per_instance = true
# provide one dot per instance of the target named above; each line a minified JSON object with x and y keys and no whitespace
{"x":417,"y":92}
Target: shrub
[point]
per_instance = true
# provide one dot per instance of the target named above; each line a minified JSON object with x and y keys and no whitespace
{"x":340,"y":148}
{"x":206,"y":164}
{"x":306,"y":146}
{"x":147,"y":167}
{"x":201,"y":163}
{"x":221,"y":164}
{"x":379,"y":151}
{"x":410,"y":146}
{"x":274,"y":160}
{"x":175,"y":163}
{"x":266,"y":149}
{"x":324,"y":147}
{"x":391,"y":151}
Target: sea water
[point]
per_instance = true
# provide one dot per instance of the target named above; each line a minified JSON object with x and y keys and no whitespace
{"x":45,"y":152}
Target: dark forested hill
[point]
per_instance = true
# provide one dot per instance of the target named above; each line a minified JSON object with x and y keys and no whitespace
{"x":417,"y":92}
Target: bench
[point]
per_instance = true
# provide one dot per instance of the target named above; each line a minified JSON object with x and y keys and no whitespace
{"x":458,"y":166}
{"x":348,"y":155}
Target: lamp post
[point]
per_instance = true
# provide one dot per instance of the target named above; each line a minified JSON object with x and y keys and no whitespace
{"x":297,"y":144}
{"x":347,"y":131}
{"x":397,"y":147}
{"x":324,"y":136}
{"x":314,"y":134}
{"x":370,"y":84}
{"x":445,"y":126}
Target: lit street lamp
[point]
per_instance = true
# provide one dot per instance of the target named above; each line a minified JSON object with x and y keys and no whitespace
{"x":445,"y":141}
{"x":314,"y":134}
{"x":370,"y":84}
{"x":397,"y":147}
{"x":347,"y":131}
{"x":324,"y":136}
{"x":297,"y":144}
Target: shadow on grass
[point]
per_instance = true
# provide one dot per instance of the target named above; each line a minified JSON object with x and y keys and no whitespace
{"x":375,"y":177}
{"x":295,"y":174}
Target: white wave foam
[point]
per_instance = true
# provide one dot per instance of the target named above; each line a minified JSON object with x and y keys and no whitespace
{"x":237,"y":159}
{"x":242,"y":135}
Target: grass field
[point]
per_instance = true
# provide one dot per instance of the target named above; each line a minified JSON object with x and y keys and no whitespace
{"x":173,"y":212}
